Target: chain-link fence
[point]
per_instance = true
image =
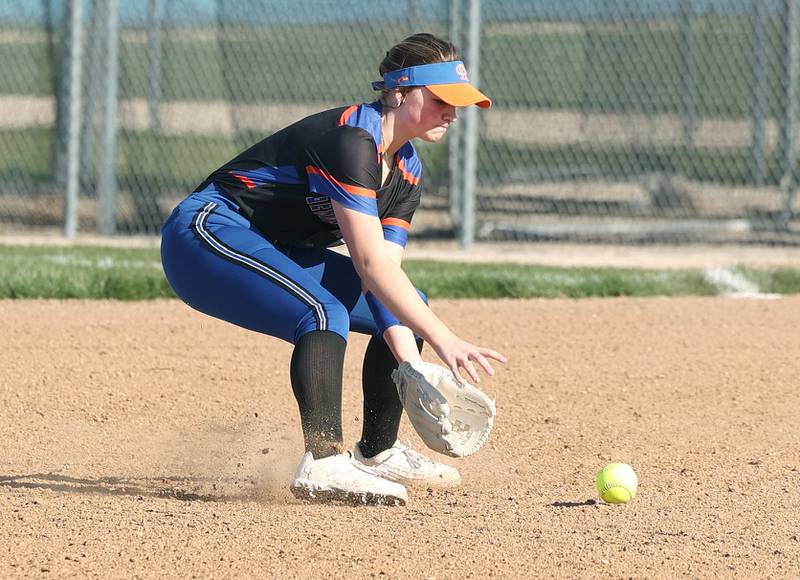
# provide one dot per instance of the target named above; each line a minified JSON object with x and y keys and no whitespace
{"x":614,"y":120}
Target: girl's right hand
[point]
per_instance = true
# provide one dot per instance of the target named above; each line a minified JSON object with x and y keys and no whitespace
{"x":458,"y":354}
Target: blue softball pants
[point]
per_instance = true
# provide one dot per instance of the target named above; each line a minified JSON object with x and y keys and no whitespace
{"x":220,"y":264}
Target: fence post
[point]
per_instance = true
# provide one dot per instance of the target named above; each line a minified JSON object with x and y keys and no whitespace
{"x":107,"y":182}
{"x":92,"y":84}
{"x":467,"y":230}
{"x":154,"y":63}
{"x":74,"y":23}
{"x":789,"y":95}
{"x":454,"y":135}
{"x":689,"y":77}
{"x":758,"y":165}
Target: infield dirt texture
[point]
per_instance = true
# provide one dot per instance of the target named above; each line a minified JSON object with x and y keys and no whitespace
{"x":147,"y":440}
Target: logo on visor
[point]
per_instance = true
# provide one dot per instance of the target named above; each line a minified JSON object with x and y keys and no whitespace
{"x":402,"y":79}
{"x":462,"y":72}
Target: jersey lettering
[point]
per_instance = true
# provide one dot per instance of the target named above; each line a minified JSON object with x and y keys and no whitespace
{"x":322,"y":208}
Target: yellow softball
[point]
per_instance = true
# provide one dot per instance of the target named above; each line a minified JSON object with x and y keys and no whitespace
{"x":617,"y":483}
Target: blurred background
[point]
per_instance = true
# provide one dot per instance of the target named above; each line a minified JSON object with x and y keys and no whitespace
{"x":615,"y":121}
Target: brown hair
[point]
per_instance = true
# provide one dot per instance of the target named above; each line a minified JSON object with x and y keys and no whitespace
{"x":417,"y":49}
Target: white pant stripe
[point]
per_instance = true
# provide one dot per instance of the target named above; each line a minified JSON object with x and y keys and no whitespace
{"x":274,"y":275}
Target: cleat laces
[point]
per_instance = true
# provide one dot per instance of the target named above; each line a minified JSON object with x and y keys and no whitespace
{"x":414,"y":458}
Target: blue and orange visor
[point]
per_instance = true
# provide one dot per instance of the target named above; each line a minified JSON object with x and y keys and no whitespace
{"x":447,"y":80}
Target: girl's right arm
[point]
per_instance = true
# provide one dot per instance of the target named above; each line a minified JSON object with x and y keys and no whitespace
{"x":386,"y":279}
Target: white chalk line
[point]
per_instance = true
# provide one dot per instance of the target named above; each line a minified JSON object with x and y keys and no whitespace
{"x":733,"y":284}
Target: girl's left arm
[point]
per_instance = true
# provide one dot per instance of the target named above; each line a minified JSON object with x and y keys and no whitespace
{"x":400,"y":339}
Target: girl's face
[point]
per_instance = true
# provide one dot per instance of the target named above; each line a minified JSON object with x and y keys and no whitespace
{"x":425,"y":116}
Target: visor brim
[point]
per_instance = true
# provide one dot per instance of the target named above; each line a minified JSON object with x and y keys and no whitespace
{"x":460,"y":95}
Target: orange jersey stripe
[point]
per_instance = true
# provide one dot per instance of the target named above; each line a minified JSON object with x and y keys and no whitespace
{"x":246,"y":180}
{"x":354,"y":189}
{"x":410,"y":177}
{"x":396,"y":222}
{"x":348,"y":112}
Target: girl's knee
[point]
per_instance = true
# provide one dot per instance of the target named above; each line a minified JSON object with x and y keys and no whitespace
{"x":332,"y":316}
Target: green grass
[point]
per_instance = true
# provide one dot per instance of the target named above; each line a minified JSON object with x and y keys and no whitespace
{"x":462,"y":280}
{"x":638,"y":67}
{"x":730,"y":166}
{"x":144,"y":160}
{"x":81,"y":272}
{"x":136,"y":274}
{"x":635,"y":68}
{"x":160,"y":163}
{"x":774,"y":281}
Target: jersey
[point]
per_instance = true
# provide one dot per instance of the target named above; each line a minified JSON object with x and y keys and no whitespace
{"x":285,"y":184}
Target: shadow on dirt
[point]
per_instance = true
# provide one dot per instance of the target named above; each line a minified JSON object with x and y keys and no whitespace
{"x":567,"y":504}
{"x":181,"y":488}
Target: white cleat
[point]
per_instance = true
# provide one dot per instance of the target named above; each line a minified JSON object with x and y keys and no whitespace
{"x":338,"y":478}
{"x":402,"y":464}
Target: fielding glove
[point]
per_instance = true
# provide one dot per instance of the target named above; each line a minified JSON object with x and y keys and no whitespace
{"x":452,"y":418}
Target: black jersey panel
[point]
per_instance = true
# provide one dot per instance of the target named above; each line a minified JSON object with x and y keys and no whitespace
{"x":344,"y":166}
{"x":284,"y":184}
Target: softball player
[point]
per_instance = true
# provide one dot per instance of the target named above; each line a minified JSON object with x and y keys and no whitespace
{"x":250,"y":246}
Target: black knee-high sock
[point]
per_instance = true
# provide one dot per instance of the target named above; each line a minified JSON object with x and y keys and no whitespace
{"x":316,"y":372}
{"x":382,"y":406}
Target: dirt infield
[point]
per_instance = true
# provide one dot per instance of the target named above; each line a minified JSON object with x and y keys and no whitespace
{"x":545,"y":254}
{"x":146,"y":440}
